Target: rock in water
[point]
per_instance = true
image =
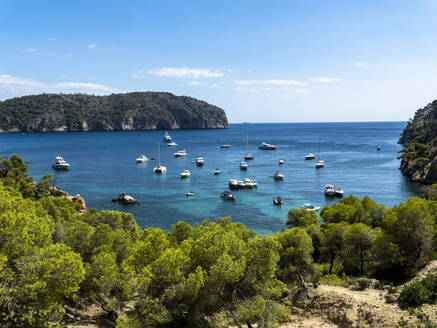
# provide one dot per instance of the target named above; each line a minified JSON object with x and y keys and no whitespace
{"x":125,"y":199}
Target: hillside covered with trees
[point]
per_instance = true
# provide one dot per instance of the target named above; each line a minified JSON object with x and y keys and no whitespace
{"x":54,"y":258}
{"x":116,"y":112}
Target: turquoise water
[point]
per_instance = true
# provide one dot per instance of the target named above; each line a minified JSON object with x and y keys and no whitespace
{"x":103,"y":165}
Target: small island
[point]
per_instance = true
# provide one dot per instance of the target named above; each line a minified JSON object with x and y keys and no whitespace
{"x":135,"y":111}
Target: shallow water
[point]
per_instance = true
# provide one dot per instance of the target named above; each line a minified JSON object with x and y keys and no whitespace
{"x":103,"y":165}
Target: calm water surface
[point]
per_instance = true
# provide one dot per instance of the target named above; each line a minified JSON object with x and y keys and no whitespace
{"x":103,"y":165}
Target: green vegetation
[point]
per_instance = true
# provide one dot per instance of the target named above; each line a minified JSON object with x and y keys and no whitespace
{"x":419,"y":292}
{"x":214,"y":274}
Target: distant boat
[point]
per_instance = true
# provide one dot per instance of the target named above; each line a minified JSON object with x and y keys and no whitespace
{"x":172,"y":144}
{"x":190,"y":193}
{"x":60,"y":164}
{"x":243,"y":166}
{"x":185,"y":174}
{"x":167,"y":137}
{"x":225,"y":145}
{"x":329,"y":190}
{"x":248,"y":155}
{"x":142,"y":159}
{"x":278,"y":176}
{"x":281,"y":161}
{"x":180,"y":153}
{"x":159,"y":168}
{"x":266,"y":146}
{"x":217,"y":172}
{"x":310,"y":207}
{"x":319,"y":163}
{"x":200,"y":161}
{"x":242,"y":184}
{"x":277,"y":201}
{"x":227,"y":195}
{"x":310,"y":156}
{"x":378,"y":148}
{"x":338,"y":192}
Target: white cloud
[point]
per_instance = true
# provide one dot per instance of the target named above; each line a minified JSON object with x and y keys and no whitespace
{"x":196,"y":83}
{"x":13,"y":86}
{"x":91,"y":46}
{"x":185,"y":72}
{"x":138,"y":74}
{"x":359,"y":63}
{"x":270,"y":82}
{"x":325,"y":79}
{"x":303,"y":91}
{"x":30,"y":50}
{"x":52,"y":39}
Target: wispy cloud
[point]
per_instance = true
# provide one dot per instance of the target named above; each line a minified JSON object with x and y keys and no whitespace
{"x":359,"y":63}
{"x":303,"y":91}
{"x":185,"y":72}
{"x":139,"y":74}
{"x":196,"y":83}
{"x":30,"y":50}
{"x":12,"y":86}
{"x":325,"y":79}
{"x":243,"y":89}
{"x":91,"y":46}
{"x":52,"y":39}
{"x":270,"y":82}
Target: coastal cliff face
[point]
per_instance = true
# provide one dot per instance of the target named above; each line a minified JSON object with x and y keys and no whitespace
{"x":419,"y":138}
{"x":134,"y":111}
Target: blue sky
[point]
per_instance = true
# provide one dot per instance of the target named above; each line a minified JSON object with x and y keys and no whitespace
{"x":261,"y":61}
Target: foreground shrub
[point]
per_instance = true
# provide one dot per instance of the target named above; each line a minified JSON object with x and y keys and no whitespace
{"x":419,"y":292}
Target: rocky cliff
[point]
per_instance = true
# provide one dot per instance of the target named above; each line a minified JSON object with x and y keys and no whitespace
{"x":116,"y":112}
{"x":419,"y":138}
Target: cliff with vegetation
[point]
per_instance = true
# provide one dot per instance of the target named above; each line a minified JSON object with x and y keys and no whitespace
{"x":419,"y":138}
{"x":117,"y":112}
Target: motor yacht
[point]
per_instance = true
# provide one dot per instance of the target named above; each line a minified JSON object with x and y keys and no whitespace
{"x":200,"y":161}
{"x":320,"y":164}
{"x":329,"y":190}
{"x":225,"y":145}
{"x":243,"y":166}
{"x":60,"y":164}
{"x":338,"y":192}
{"x":167,"y":137}
{"x":180,"y":153}
{"x":172,"y":144}
{"x":227,"y":195}
{"x":281,"y":161}
{"x":277,"y":201}
{"x":248,"y":157}
{"x":266,"y":146}
{"x":142,"y":159}
{"x":217,"y":171}
{"x":278,"y":176}
{"x":242,"y":184}
{"x":310,"y":207}
{"x":185,"y":174}
{"x":190,"y":193}
{"x":310,"y":156}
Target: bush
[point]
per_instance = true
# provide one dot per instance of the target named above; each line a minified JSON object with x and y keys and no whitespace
{"x":333,"y":279}
{"x":419,"y":292}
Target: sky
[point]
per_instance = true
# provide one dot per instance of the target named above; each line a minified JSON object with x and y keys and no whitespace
{"x":261,"y":61}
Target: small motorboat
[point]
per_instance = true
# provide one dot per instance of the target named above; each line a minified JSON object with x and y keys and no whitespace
{"x":278,"y":176}
{"x":180,"y":153}
{"x":281,"y":161}
{"x":248,"y":183}
{"x":142,"y":159}
{"x":243,"y":166}
{"x":217,"y":172}
{"x":225,"y":145}
{"x":200,"y":161}
{"x":320,"y":164}
{"x":277,"y":201}
{"x":329,"y":190}
{"x":60,"y":164}
{"x":190,"y":193}
{"x":248,"y":157}
{"x":185,"y":174}
{"x":310,"y":207}
{"x":172,"y":144}
{"x":266,"y":146}
{"x":310,"y":156}
{"x":227,"y":195}
{"x":338,"y":192}
{"x":167,"y":137}
{"x":378,"y":148}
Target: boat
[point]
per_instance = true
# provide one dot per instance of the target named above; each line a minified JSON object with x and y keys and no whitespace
{"x":225,"y":145}
{"x":167,"y":137}
{"x":278,"y":176}
{"x":242,"y":184}
{"x":200,"y":161}
{"x":310,"y":156}
{"x":172,"y":144}
{"x":180,"y":153}
{"x":378,"y":148}
{"x":190,"y":193}
{"x":217,"y":172}
{"x":60,"y":164}
{"x":338,"y":192}
{"x":266,"y":146}
{"x":319,"y":163}
{"x":243,"y":166}
{"x":329,"y":190}
{"x":159,"y":168}
{"x":227,"y":195}
{"x":185,"y":174}
{"x":281,"y":161}
{"x":277,"y":201}
{"x":310,"y":207}
{"x":248,"y":156}
{"x":142,"y":159}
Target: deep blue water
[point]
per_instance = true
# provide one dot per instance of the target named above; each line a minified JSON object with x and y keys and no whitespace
{"x":103,"y":165}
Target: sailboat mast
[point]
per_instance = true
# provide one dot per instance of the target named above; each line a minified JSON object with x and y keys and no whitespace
{"x":159,"y":155}
{"x":247,"y":143}
{"x":318,"y":153}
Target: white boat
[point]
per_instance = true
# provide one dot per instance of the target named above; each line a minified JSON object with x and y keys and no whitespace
{"x":278,"y":176}
{"x":172,"y":144}
{"x":319,"y":163}
{"x":277,"y":201}
{"x":190,"y":193}
{"x":338,"y":192}
{"x":329,"y":190}
{"x":200,"y":161}
{"x":243,"y":166}
{"x":159,"y":168}
{"x":266,"y":146}
{"x":217,"y":172}
{"x":225,"y":145}
{"x":60,"y":164}
{"x":242,"y":184}
{"x":142,"y":159}
{"x":227,"y":195}
{"x":180,"y":153}
{"x":248,"y":155}
{"x":310,"y":207}
{"x":167,"y":137}
{"x":310,"y":156}
{"x":281,"y":161}
{"x":185,"y":174}
{"x":248,"y":183}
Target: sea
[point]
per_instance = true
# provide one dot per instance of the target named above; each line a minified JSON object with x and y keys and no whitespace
{"x":103,"y":164}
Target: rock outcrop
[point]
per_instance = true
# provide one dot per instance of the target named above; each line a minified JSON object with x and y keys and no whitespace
{"x":133,"y":111}
{"x":78,"y":200}
{"x":125,"y":199}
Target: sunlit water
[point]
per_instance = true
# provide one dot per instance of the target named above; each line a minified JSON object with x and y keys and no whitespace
{"x":103,"y":165}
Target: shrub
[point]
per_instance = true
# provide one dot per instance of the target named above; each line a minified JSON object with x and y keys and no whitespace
{"x":419,"y":292}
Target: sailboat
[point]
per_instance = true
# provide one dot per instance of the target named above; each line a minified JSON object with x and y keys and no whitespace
{"x":159,"y":168}
{"x":319,"y":163}
{"x":248,"y":156}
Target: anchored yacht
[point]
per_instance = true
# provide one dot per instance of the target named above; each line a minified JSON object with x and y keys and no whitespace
{"x":159,"y":168}
{"x":310,"y":207}
{"x":266,"y":146}
{"x":180,"y":153}
{"x":185,"y":174}
{"x":167,"y":137}
{"x":60,"y":164}
{"x":243,"y":166}
{"x":329,"y":190}
{"x":142,"y":159}
{"x":278,"y":176}
{"x":200,"y":161}
{"x":310,"y":156}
